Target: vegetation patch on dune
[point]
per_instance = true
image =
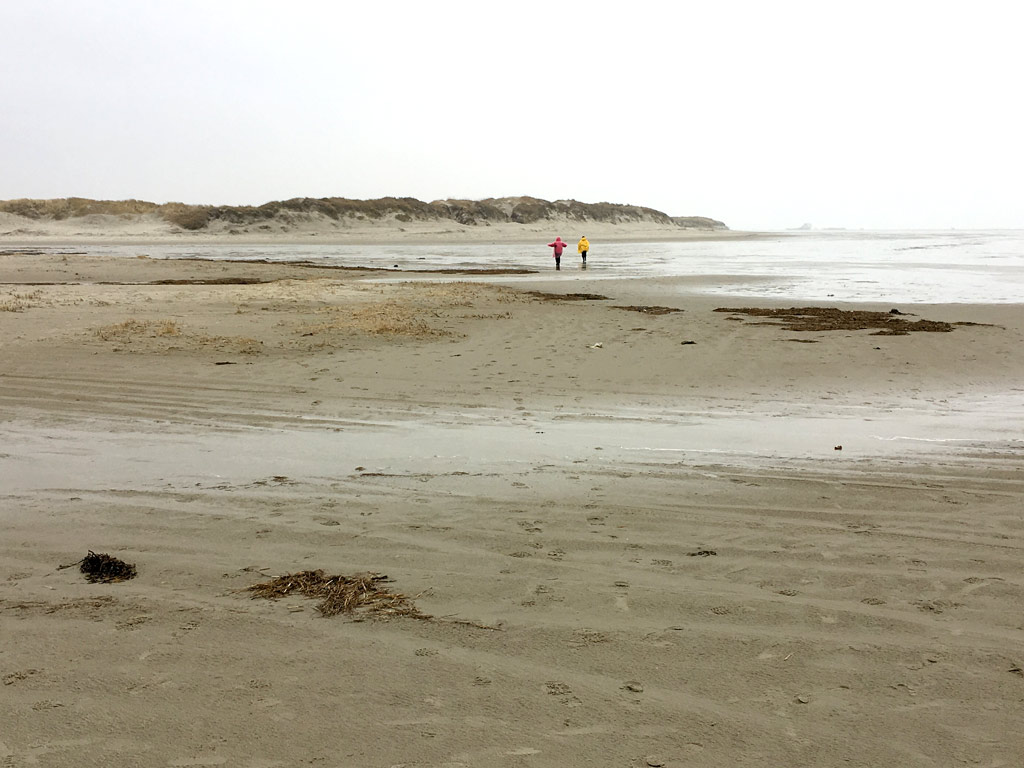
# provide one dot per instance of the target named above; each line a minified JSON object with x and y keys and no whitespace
{"x":75,"y":207}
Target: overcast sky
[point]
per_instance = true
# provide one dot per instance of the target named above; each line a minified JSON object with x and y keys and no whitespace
{"x":763,"y":114}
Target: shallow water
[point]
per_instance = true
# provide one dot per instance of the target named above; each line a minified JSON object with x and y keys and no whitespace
{"x":904,"y":267}
{"x":947,"y":267}
{"x":105,"y":453}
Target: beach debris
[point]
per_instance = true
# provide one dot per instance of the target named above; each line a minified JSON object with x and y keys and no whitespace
{"x":633,"y":686}
{"x":838,"y":448}
{"x":104,"y":569}
{"x":544,"y":296}
{"x":803,"y":699}
{"x":1016,"y":669}
{"x":655,"y":761}
{"x":649,"y":310}
{"x":362,"y":593}
{"x":211,"y":281}
{"x":702,"y":553}
{"x":684,"y":343}
{"x":598,"y":345}
{"x":834,"y":319}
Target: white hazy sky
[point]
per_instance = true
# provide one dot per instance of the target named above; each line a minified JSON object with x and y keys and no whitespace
{"x":763,"y":114}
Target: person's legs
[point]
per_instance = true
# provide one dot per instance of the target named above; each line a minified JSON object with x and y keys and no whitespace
{"x":558,"y":262}
{"x":584,"y":255}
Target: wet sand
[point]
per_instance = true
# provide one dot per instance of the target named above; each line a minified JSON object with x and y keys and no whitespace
{"x":636,"y":550}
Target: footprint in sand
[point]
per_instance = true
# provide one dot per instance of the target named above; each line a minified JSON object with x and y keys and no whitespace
{"x":621,"y":600}
{"x":936,"y":606}
{"x":17,"y":677}
{"x":563,"y":692}
{"x":132,"y":624}
{"x":584,"y":637}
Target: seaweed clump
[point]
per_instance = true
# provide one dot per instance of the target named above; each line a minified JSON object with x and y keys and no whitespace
{"x":363,"y":593}
{"x":833,"y":319}
{"x":102,"y":568}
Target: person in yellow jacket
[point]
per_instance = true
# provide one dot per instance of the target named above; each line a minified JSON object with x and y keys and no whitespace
{"x":583,"y":246}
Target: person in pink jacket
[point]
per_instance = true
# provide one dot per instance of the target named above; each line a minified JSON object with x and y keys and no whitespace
{"x":559,"y":246}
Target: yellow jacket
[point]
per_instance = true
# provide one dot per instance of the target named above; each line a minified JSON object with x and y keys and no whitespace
{"x":584,"y":245}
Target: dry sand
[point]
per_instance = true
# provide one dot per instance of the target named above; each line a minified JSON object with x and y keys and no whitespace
{"x":634,"y":551}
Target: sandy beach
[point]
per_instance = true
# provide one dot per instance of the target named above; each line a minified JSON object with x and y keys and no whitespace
{"x":636,"y":531}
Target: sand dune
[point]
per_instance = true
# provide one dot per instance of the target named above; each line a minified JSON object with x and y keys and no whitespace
{"x":340,"y":220}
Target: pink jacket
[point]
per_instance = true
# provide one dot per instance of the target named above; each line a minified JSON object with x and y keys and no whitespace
{"x":558,"y":245}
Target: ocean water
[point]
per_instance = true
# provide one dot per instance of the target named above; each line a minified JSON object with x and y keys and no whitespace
{"x":905,"y":267}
